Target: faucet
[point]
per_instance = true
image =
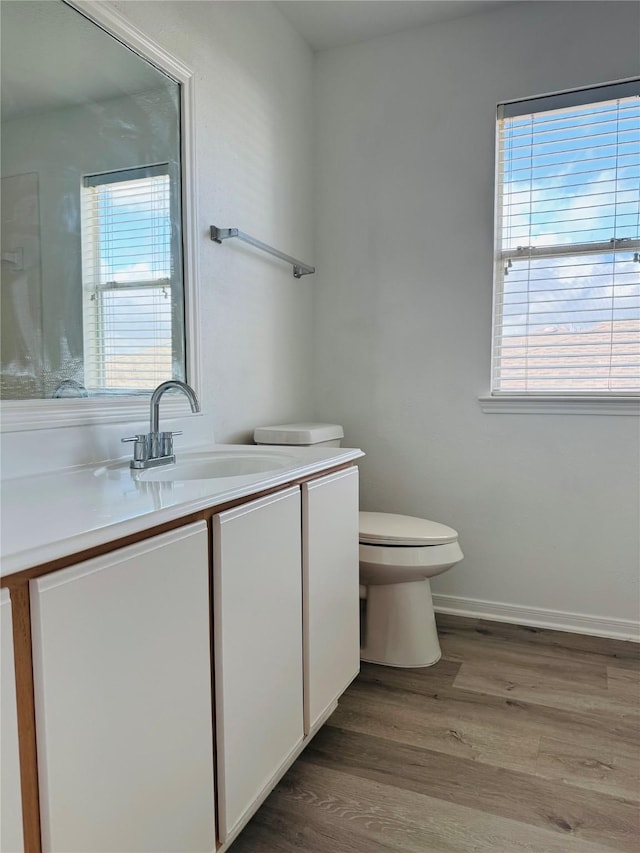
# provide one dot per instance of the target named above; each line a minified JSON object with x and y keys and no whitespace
{"x":156,"y":448}
{"x":70,"y":388}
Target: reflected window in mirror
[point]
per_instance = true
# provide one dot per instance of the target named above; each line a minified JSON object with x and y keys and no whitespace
{"x":92,"y":261}
{"x":129,"y":275}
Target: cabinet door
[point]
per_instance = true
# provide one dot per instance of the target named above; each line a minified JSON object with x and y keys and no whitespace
{"x":331,"y":602}
{"x":10,"y":802}
{"x":258,"y":648}
{"x":122,"y":671}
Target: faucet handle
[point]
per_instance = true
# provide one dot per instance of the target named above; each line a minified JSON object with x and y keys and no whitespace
{"x":140,"y":448}
{"x":166,"y":442}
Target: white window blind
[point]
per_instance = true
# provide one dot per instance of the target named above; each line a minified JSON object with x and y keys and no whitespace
{"x":127,"y":279}
{"x":567,"y":268}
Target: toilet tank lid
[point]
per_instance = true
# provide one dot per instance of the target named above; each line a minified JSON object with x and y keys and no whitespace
{"x":384,"y":528}
{"x":302,"y":433}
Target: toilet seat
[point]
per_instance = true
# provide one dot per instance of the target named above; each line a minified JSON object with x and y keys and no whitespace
{"x":383,"y":528}
{"x":397,"y":549}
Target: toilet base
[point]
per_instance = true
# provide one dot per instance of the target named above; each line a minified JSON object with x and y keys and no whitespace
{"x":400,"y":625}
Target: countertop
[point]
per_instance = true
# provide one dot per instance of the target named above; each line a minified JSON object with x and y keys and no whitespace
{"x":58,"y":514}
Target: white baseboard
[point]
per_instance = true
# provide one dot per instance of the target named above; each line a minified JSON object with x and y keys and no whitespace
{"x":559,"y":620}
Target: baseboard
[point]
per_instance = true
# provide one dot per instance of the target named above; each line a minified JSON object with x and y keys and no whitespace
{"x":559,"y":620}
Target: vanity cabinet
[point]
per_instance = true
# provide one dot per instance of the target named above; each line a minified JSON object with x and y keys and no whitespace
{"x":257,"y":621}
{"x":122,"y":683}
{"x":331,"y":601}
{"x":10,"y":801}
{"x":239,"y":627}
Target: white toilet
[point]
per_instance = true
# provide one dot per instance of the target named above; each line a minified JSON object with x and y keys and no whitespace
{"x":398,"y":555}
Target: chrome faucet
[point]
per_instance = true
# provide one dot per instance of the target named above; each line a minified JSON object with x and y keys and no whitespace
{"x":156,"y":448}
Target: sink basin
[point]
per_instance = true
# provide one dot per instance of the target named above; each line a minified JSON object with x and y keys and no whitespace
{"x":216,"y":464}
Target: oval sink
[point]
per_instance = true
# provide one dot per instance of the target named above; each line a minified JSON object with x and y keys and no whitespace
{"x":217,"y":464}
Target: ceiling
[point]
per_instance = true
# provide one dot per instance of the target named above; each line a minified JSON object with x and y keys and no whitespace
{"x":52,"y":57}
{"x":330,"y":23}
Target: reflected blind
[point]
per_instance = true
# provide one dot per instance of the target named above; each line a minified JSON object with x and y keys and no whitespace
{"x":127,"y":278}
{"x":567,"y":269}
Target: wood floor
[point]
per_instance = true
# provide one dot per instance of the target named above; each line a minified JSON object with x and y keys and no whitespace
{"x":519,"y":739}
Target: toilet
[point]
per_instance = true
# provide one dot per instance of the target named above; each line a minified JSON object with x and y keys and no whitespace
{"x":398,"y":556}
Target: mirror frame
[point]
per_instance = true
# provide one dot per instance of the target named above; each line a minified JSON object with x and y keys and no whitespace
{"x":25,"y":415}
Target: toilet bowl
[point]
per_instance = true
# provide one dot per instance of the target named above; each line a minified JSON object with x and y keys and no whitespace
{"x":398,"y":555}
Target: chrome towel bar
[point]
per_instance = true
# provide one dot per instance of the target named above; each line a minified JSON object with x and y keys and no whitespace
{"x":299,"y":269}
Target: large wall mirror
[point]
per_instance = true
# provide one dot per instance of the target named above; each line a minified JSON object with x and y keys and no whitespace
{"x":92,"y":290}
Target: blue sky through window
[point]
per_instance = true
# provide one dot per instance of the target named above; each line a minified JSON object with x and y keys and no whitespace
{"x":135,"y":230}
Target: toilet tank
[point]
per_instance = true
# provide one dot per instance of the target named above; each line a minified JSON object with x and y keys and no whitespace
{"x":302,"y":434}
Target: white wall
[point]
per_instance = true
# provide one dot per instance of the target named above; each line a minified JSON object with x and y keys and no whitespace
{"x":254,"y":105}
{"x":254,"y":148}
{"x":546,"y":505}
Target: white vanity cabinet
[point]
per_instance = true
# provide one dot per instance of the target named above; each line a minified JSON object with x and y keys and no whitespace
{"x":176,"y":679}
{"x":122,"y":681}
{"x":257,"y":619}
{"x":331,"y":598}
{"x":10,"y":802}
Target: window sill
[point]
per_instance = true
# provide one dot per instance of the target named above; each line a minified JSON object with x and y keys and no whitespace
{"x":560,"y":405}
{"x":23,"y":415}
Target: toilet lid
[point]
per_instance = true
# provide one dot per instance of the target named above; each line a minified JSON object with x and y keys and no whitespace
{"x":384,"y":528}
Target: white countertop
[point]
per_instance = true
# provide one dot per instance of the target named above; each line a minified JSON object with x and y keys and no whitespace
{"x":59,"y":514}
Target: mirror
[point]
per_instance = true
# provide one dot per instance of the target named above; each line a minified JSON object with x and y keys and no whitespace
{"x":92,"y":291}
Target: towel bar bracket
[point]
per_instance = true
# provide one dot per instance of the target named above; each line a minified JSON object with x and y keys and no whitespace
{"x":220,"y":234}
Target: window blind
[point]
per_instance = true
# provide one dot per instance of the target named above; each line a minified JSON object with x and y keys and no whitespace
{"x":127,"y":279}
{"x":567,"y":266}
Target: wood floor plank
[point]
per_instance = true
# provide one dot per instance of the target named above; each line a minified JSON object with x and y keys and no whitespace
{"x":558,"y":644}
{"x":624,"y":684}
{"x":281,"y":826}
{"x":604,"y":766}
{"x":320,"y":809}
{"x":431,"y":689}
{"x":546,"y":683}
{"x":448,"y":727}
{"x":464,"y":644}
{"x":418,"y":680}
{"x":552,"y":806}
{"x":495,"y":731}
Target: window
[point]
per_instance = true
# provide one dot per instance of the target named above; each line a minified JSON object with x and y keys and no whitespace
{"x":567,"y":264}
{"x":128,"y":281}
